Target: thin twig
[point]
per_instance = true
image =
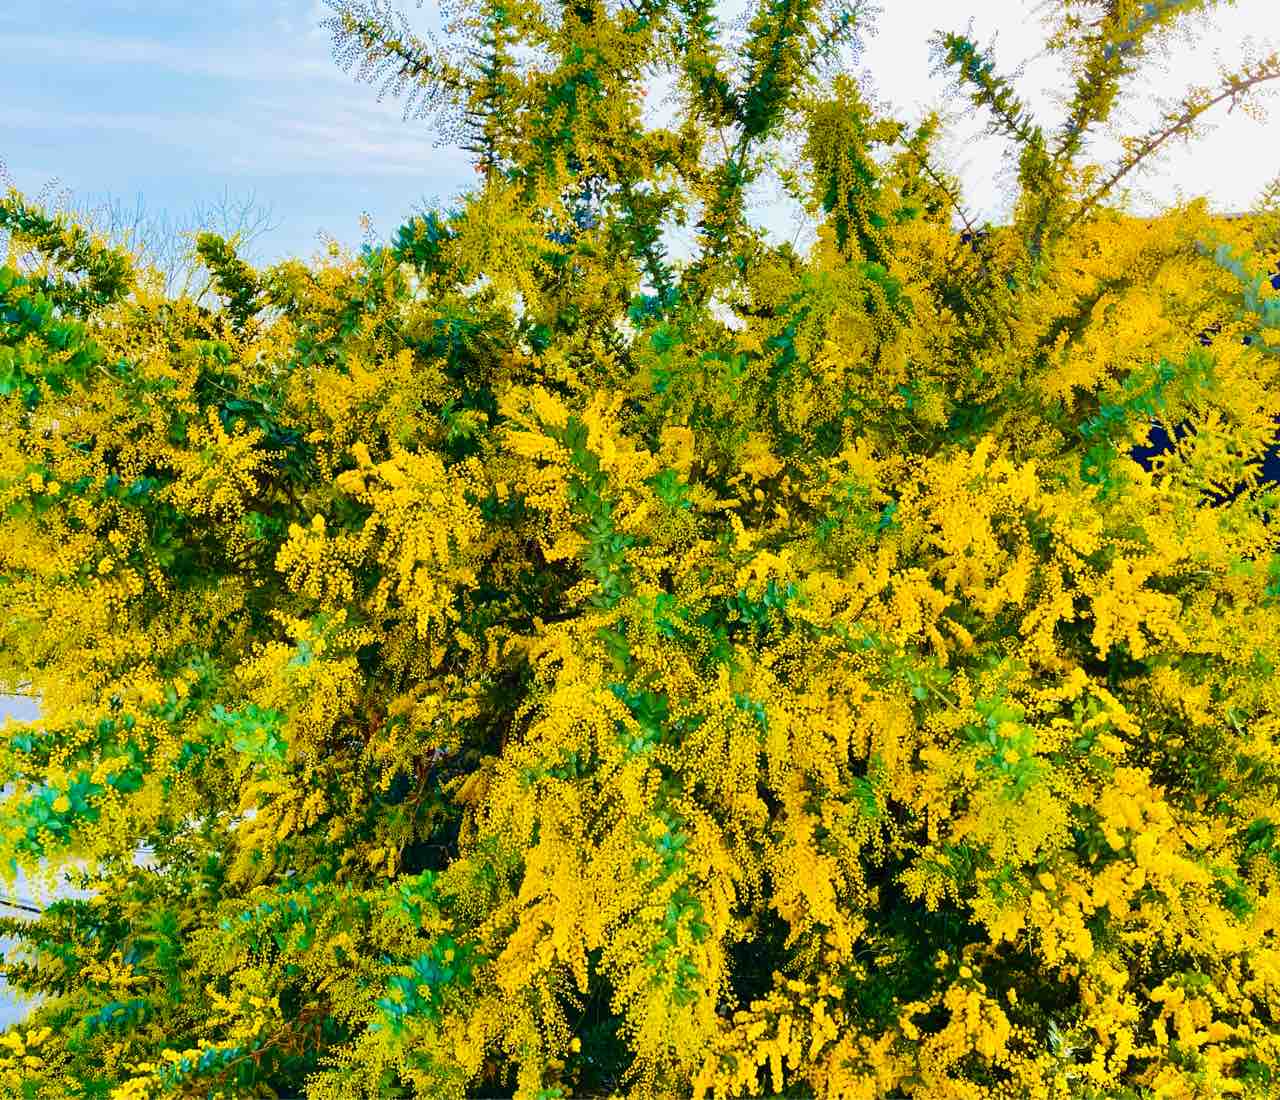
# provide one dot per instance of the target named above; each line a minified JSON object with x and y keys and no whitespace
{"x":1232,"y":91}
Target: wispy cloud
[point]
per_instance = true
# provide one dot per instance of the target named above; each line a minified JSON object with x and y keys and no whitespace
{"x":245,"y":62}
{"x":273,"y":143}
{"x":155,"y":126}
{"x":287,"y":146}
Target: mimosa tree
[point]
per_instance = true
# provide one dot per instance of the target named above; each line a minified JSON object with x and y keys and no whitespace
{"x":543,"y":667}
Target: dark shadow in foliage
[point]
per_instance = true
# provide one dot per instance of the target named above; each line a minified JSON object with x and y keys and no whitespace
{"x":598,"y":1067}
{"x":751,"y":978}
{"x":1161,"y":440}
{"x":907,"y":943}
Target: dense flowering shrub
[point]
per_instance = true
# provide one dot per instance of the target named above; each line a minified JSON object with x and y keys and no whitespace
{"x":542,"y":667}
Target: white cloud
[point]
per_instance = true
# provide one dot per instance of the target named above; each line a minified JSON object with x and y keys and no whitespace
{"x":236,"y":62}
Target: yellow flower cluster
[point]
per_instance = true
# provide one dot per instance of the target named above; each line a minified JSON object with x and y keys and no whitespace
{"x":543,"y":669}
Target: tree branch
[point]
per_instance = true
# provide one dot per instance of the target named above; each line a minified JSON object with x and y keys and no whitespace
{"x":1192,"y":108}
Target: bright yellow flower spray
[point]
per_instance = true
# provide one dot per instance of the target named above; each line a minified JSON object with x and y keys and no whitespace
{"x":541,"y":668}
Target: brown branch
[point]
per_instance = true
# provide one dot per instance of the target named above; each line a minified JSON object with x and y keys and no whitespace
{"x":1234,"y":89}
{"x":941,"y":185}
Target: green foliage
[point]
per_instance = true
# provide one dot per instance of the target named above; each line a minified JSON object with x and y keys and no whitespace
{"x":537,"y":666}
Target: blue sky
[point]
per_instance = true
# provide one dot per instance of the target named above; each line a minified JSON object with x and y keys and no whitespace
{"x":178,"y":101}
